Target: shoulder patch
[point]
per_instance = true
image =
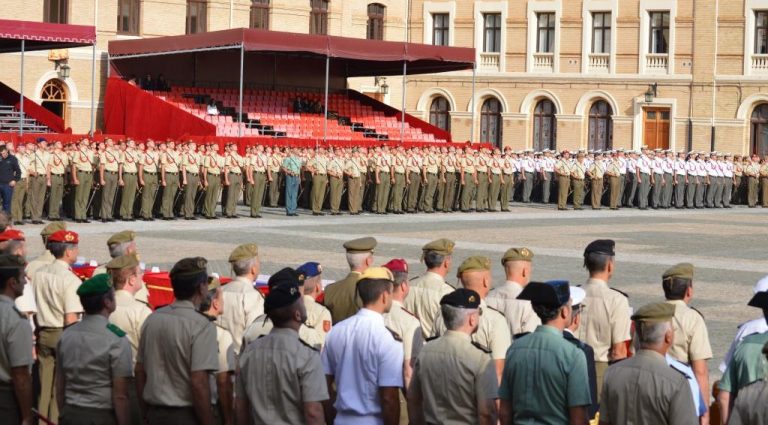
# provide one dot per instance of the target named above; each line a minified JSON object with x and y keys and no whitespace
{"x":395,"y":335}
{"x":697,"y":311}
{"x":622,"y":293}
{"x":308,"y":345}
{"x":115,"y":330}
{"x":481,"y":347}
{"x":22,"y":315}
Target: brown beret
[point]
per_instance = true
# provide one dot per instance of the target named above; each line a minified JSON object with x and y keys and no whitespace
{"x":654,"y":313}
{"x":517,"y":254}
{"x":53,"y":227}
{"x":244,"y":252}
{"x":122,"y":237}
{"x":477,"y":262}
{"x":440,"y":246}
{"x":366,"y":244}
{"x":681,"y":271}
{"x":123,"y":262}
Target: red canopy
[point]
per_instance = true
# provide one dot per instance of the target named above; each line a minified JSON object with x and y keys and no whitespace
{"x":360,"y":57}
{"x":43,"y":36}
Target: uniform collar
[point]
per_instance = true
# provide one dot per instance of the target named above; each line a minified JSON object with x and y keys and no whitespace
{"x":183,"y":304}
{"x":64,"y":263}
{"x":396,"y":303}
{"x":242,"y":281}
{"x":123,"y":294}
{"x":651,"y":355}
{"x":515,"y":284}
{"x":371,"y":314}
{"x":596,"y":282}
{"x":458,"y":335}
{"x":677,"y":302}
{"x":284,"y":332}
{"x":548,"y":330}
{"x":95,"y":318}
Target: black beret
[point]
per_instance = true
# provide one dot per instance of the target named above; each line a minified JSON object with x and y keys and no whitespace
{"x":550,"y":294}
{"x":759,"y":300}
{"x":601,"y":246}
{"x":462,"y":298}
{"x":286,"y":276}
{"x":281,"y":296}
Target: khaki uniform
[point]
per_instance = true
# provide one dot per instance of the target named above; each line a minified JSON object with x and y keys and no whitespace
{"x":495,"y":187}
{"x":493,"y":334}
{"x":235,"y":165}
{"x":20,"y":192}
{"x":354,"y":184}
{"x":214,"y":166}
{"x":274,"y":186}
{"x":764,"y":184}
{"x":150,"y":166}
{"x":91,"y":354}
{"x":129,"y":315}
{"x":83,"y":160}
{"x":398,"y":186}
{"x":519,"y":313}
{"x":242,"y":305}
{"x":335,"y":172}
{"x":383,"y":165}
{"x":262,"y":325}
{"x":191,"y":166}
{"x":318,"y":317}
{"x":319,"y":165}
{"x":258,"y":166}
{"x":453,"y":376}
{"x":227,"y":363}
{"x":15,"y":351}
{"x":170,"y":162}
{"x":423,"y":300}
{"x":614,"y":181}
{"x":468,"y":189}
{"x":407,"y":326}
{"x":596,"y":173}
{"x":130,"y":160}
{"x":413,"y":168}
{"x":751,"y":406}
{"x":752,"y":171}
{"x":289,"y":365}
{"x":508,"y":187}
{"x":110,"y":159}
{"x":482,"y":182}
{"x":691,"y":337}
{"x":578,"y":173}
{"x":341,"y":297}
{"x":431,"y":170}
{"x":563,"y":171}
{"x":37,"y":182}
{"x":448,"y":198}
{"x":59,"y":164}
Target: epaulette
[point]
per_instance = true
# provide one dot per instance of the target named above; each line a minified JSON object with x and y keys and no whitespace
{"x":395,"y":335}
{"x":497,"y":311}
{"x":697,"y":311}
{"x":685,"y":375}
{"x":413,"y":278}
{"x":411,"y":313}
{"x":432,"y":338}
{"x":307,"y":345}
{"x":22,"y":315}
{"x":622,"y":293}
{"x":207,"y":317}
{"x":481,"y":347}
{"x":520,"y":335}
{"x":115,"y":330}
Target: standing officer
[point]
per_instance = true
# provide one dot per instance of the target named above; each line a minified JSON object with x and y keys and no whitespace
{"x":507,"y":180}
{"x":751,"y":407}
{"x":213,"y":167}
{"x":222,"y":403}
{"x":291,"y":167}
{"x":752,"y":171}
{"x":596,"y":172}
{"x":354,"y":182}
{"x":547,"y":174}
{"x":413,"y":180}
{"x":148,"y":169}
{"x":496,"y":178}
{"x":109,"y":178}
{"x":680,"y":179}
{"x":319,"y":168}
{"x":10,"y":174}
{"x":130,"y":313}
{"x":234,"y":164}
{"x":427,"y":290}
{"x":177,"y":351}
{"x":57,"y":168}
{"x":605,"y":323}
{"x":450,"y":164}
{"x":170,"y":163}
{"x":468,"y":180}
{"x":286,"y":362}
{"x":613,"y":171}
{"x":257,"y":177}
{"x":454,"y":381}
{"x":341,"y":296}
{"x":644,"y":389}
{"x":546,"y":358}
{"x":578,"y":174}
{"x":191,"y":167}
{"x":275,"y":164}
{"x":383,"y":181}
{"x":22,"y":187}
{"x":318,"y":316}
{"x":335,"y":170}
{"x":130,"y":159}
{"x":529,"y":168}
{"x":15,"y":345}
{"x":40,"y":158}
{"x":563,"y":171}
{"x":94,"y":364}
{"x":429,"y":181}
{"x":518,"y":268}
{"x":82,"y":178}
{"x":242,"y":302}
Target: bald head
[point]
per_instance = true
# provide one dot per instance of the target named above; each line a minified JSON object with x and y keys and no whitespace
{"x":477,"y":280}
{"x":518,"y":271}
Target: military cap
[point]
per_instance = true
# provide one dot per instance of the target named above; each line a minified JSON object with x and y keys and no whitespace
{"x":377,"y":273}
{"x":761,"y":285}
{"x":517,"y":254}
{"x":281,"y":296}
{"x":366,"y":244}
{"x":285,"y":276}
{"x":213,"y":283}
{"x":97,"y":285}
{"x":461,"y":298}
{"x":244,"y":252}
{"x":397,"y":265}
{"x":310,"y":269}
{"x":11,"y":235}
{"x":477,"y":262}
{"x":122,"y":237}
{"x":123,"y":262}
{"x":189,"y":266}
{"x":577,"y":295}
{"x":759,"y":300}
{"x":64,"y":236}
{"x":10,"y":261}
{"x":601,"y":246}
{"x":555,"y":293}
{"x":680,"y":271}
{"x":440,"y":246}
{"x":654,"y":313}
{"x":53,"y":227}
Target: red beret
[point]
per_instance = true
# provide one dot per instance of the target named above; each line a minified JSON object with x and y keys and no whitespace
{"x":12,"y":235}
{"x":398,"y":265}
{"x":64,"y":236}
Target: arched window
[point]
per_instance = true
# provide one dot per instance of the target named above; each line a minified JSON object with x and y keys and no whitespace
{"x":197,"y":17}
{"x":544,"y":126}
{"x":376,"y":21}
{"x":54,"y":97}
{"x":438,"y":113}
{"x":490,"y":122}
{"x":318,"y":17}
{"x":759,"y":134}
{"x":600,"y":126}
{"x":260,"y":14}
{"x":128,"y":16}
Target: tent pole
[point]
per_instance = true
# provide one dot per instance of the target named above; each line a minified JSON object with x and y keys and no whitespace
{"x":472,"y":127}
{"x":21,"y":91}
{"x":325,"y":108}
{"x":402,"y":108}
{"x":93,"y":89}
{"x":240,"y":104}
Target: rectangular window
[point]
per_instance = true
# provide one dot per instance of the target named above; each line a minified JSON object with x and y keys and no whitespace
{"x":659,"y":35}
{"x":545,"y":41}
{"x":375,"y":30}
{"x":56,"y":11}
{"x":197,"y":21}
{"x":440,"y":29}
{"x":260,"y":14}
{"x":761,"y":32}
{"x":492,"y":32}
{"x":318,"y":17}
{"x":601,"y":32}
{"x":128,"y":17}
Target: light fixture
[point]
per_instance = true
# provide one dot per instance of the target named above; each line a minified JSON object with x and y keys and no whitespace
{"x":381,"y":83}
{"x":384,"y":88}
{"x":651,"y":93}
{"x":62,"y":69}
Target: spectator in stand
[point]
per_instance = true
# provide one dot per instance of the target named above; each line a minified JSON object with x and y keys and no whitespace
{"x":147,"y":83}
{"x":161,"y":84}
{"x":132,"y":80}
{"x":10,"y":173}
{"x":212,"y":109}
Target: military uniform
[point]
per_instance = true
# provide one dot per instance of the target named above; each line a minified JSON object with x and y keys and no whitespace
{"x":424,"y":299}
{"x":746,"y":366}
{"x":214,"y":166}
{"x":109,"y":162}
{"x":129,"y":169}
{"x":15,"y":351}
{"x":82,"y":162}
{"x":191,"y":168}
{"x":129,"y":315}
{"x":354,"y":185}
{"x":318,"y":317}
{"x":171,"y":163}
{"x":258,"y":176}
{"x":234,"y":164}
{"x":341,"y":296}
{"x":398,"y":187}
{"x":578,"y":174}
{"x":383,"y":170}
{"x":58,"y":166}
{"x":38,"y":168}
{"x":449,"y":176}
{"x":519,"y":313}
{"x":335,"y":170}
{"x":319,"y":167}
{"x":751,"y":408}
{"x":596,"y":174}
{"x":481,"y":198}
{"x":431,"y":169}
{"x":413,"y":168}
{"x":21,"y":190}
{"x":493,"y":334}
{"x":691,"y":337}
{"x":563,"y":171}
{"x":274,"y":186}
{"x":242,"y":305}
{"x":149,"y":167}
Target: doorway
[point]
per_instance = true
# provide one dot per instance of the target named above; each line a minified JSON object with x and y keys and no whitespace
{"x":656,"y":128}
{"x":54,"y":98}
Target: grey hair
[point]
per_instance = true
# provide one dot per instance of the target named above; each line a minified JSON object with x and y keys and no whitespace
{"x":651,"y":334}
{"x":118,"y":249}
{"x":357,"y":259}
{"x":455,"y":317}
{"x":243,"y":267}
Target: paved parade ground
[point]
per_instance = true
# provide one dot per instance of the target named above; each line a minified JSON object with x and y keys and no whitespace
{"x":728,"y":247}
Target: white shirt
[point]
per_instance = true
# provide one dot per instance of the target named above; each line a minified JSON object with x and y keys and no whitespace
{"x":623,"y":164}
{"x":680,"y":167}
{"x":746,"y":329}
{"x":644,"y":165}
{"x":529,"y":165}
{"x":728,"y":169}
{"x":363,"y":356}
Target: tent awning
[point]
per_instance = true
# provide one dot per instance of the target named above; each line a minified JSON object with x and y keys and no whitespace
{"x":361,"y":57}
{"x":43,"y":36}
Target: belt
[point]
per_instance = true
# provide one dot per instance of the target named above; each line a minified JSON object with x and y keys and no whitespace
{"x":49,"y":328}
{"x":130,"y":174}
{"x":211,"y":174}
{"x":170,"y":408}
{"x":84,"y":171}
{"x":171,"y":172}
{"x":260,"y":172}
{"x":193,"y":174}
{"x":237,"y":174}
{"x":577,"y":179}
{"x":434,"y":174}
{"x":110,"y":172}
{"x":321,"y":174}
{"x":150,"y":172}
{"x":57,"y":175}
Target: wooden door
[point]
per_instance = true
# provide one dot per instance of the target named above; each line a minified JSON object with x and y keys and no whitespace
{"x":656,"y":128}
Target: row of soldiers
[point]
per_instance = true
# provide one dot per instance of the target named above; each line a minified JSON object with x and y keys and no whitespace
{"x":466,"y":355}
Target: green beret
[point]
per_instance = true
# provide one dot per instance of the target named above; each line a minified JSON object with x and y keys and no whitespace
{"x":461,"y":298}
{"x":97,"y":285}
{"x":681,"y":271}
{"x":189,"y":266}
{"x":517,"y":254}
{"x":244,"y":252}
{"x":654,"y":313}
{"x":10,"y":261}
{"x":123,"y":262}
{"x":122,"y":237}
{"x":477,"y":262}
{"x":366,"y":244}
{"x":53,"y":227}
{"x":440,"y":246}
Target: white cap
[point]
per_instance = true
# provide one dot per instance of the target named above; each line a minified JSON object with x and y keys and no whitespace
{"x":761,"y":285}
{"x":577,"y":295}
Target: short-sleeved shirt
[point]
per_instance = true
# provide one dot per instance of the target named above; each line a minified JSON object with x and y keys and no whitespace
{"x":606,"y":320}
{"x":751,"y":407}
{"x":362,"y":356}
{"x":129,"y":315}
{"x":453,"y":377}
{"x":262,"y":326}
{"x":242,"y":305}
{"x":407,"y":327}
{"x":294,"y":373}
{"x":15,"y":339}
{"x":292,"y":164}
{"x":544,"y":375}
{"x":691,"y":337}
{"x":176,"y":340}
{"x":56,"y":294}
{"x":492,"y":334}
{"x":519,"y":313}
{"x":91,"y":354}
{"x":756,"y":326}
{"x":698,"y":400}
{"x":645,"y":390}
{"x":747,"y":365}
{"x":226,"y":357}
{"x":423,"y":300}
{"x":318,"y":317}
